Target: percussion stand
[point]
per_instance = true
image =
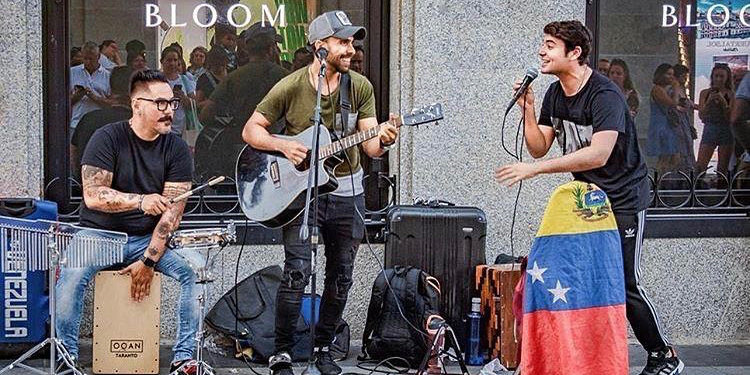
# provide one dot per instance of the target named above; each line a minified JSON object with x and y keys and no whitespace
{"x":57,"y":350}
{"x":204,"y":277}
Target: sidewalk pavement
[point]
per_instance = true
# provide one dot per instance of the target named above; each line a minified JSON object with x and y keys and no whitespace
{"x":699,"y":360}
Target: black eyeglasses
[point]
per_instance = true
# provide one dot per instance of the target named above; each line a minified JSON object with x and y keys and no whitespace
{"x":161,"y":104}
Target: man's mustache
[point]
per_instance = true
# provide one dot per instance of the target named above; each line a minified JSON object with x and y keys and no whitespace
{"x":166,"y":118}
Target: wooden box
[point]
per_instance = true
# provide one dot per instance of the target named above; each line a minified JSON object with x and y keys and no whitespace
{"x":496,"y":284}
{"x":126,"y":333}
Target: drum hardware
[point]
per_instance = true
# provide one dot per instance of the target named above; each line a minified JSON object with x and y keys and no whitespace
{"x":202,"y":241}
{"x":42,"y":245}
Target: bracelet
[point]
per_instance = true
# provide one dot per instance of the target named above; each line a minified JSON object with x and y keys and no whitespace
{"x":140,"y":202}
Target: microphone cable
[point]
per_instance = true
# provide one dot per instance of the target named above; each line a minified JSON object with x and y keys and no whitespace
{"x":516,"y":154}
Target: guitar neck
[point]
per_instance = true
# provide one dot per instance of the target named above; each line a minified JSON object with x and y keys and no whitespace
{"x":352,"y":140}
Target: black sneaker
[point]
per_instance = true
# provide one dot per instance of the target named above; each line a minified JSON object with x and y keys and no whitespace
{"x":663,"y":363}
{"x":280,"y":364}
{"x":184,"y":367}
{"x":324,"y":362}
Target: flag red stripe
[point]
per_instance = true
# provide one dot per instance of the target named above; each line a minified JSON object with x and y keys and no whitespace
{"x":589,"y":341}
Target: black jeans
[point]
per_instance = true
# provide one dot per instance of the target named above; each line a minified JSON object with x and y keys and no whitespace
{"x":342,"y":230}
{"x":640,"y":311}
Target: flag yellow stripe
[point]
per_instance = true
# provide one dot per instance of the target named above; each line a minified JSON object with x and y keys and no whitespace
{"x":577,"y":207}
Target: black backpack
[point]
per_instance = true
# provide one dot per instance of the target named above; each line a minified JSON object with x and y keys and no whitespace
{"x":386,"y":333}
{"x":246,"y":314}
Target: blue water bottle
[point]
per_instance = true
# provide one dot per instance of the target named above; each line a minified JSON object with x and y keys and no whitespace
{"x":473,"y":353}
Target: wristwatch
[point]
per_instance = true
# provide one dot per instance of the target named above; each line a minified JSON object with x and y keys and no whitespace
{"x":150,"y":263}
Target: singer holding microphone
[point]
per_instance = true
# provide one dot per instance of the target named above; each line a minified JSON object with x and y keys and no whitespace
{"x":588,"y":116}
{"x":340,"y":213}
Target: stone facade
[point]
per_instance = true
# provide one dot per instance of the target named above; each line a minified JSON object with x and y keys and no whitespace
{"x":464,"y":55}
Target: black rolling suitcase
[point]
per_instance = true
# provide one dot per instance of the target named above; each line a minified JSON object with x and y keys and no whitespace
{"x":445,"y":241}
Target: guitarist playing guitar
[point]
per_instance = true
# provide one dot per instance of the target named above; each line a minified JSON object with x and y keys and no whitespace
{"x":293,"y":98}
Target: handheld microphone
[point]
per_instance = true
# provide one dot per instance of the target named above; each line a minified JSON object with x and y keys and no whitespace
{"x":321,"y":53}
{"x":531,"y":74}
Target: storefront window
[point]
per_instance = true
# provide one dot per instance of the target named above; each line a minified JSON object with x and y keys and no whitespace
{"x":680,"y":65}
{"x":197,"y":45}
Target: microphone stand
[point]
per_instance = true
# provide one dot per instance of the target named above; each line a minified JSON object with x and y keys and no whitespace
{"x":304,"y":232}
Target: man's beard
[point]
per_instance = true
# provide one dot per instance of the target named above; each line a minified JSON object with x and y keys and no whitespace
{"x":337,"y":66}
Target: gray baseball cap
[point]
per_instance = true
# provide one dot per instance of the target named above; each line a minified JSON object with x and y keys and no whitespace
{"x":334,"y":23}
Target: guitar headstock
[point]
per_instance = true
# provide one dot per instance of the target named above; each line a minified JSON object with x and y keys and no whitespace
{"x":423,"y":115}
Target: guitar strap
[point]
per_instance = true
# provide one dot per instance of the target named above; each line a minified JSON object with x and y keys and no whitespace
{"x":345,"y":103}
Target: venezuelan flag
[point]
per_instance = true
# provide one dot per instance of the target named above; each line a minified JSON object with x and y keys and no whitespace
{"x":574,"y":295}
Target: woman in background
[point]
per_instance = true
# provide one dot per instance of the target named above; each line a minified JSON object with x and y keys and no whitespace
{"x":183,"y":87}
{"x":685,"y":107}
{"x":663,"y":139}
{"x":620,"y":75}
{"x":715,"y":104}
{"x":197,"y":62}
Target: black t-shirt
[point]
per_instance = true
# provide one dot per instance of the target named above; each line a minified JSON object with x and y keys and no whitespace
{"x":240,"y":92}
{"x":137,"y":166}
{"x":92,"y":121}
{"x":206,"y":83}
{"x":597,"y":107}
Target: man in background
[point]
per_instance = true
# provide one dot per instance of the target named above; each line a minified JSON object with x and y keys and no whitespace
{"x":89,"y":85}
{"x":110,"y":55}
{"x":120,"y":110}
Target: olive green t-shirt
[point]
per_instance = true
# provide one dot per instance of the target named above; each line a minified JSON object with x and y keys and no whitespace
{"x":293,"y":98}
{"x":242,"y":90}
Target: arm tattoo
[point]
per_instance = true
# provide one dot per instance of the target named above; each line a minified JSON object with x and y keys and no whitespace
{"x":169,"y":220}
{"x":99,"y":195}
{"x":163,"y":229}
{"x":174,"y":189}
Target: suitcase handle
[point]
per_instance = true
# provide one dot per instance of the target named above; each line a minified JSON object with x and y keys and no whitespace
{"x":432,"y":202}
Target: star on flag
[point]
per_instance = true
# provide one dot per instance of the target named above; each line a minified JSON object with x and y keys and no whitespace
{"x":559,"y":292}
{"x":536,"y":273}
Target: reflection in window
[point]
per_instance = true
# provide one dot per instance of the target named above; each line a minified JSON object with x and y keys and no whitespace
{"x":681,"y":74}
{"x":220,"y":70}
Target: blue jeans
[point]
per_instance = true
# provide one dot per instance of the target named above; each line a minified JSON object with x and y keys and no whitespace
{"x":72,"y":283}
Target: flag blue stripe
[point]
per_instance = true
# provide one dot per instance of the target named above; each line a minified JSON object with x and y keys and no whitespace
{"x":590,"y":264}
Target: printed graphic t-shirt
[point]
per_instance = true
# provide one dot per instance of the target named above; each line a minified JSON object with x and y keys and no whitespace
{"x":600,"y":106}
